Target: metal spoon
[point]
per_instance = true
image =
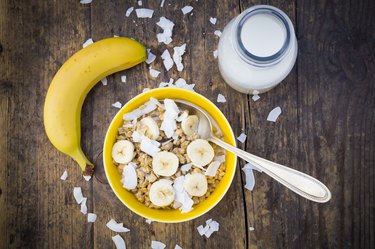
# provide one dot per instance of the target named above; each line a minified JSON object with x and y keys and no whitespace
{"x":299,"y":182}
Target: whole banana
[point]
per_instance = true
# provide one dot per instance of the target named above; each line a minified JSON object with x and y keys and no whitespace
{"x":71,"y":84}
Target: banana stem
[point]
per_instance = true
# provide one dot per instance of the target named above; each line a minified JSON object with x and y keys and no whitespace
{"x":86,"y":166}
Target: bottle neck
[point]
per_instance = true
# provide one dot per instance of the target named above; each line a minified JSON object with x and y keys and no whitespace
{"x":242,"y":25}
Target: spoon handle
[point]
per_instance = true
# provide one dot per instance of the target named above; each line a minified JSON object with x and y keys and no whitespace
{"x":299,"y":182}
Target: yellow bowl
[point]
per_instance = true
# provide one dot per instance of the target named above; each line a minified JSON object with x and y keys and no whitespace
{"x":129,"y":200}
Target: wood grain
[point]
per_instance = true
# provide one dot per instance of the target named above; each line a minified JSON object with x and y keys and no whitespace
{"x":326,"y":129}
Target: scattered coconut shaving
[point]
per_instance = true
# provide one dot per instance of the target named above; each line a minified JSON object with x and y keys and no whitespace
{"x":167,"y":26}
{"x":170,"y":115}
{"x":129,"y":176}
{"x":251,"y":228}
{"x":242,"y":137}
{"x":154,"y":73}
{"x":150,"y":56}
{"x":64,"y":175}
{"x":167,"y":60}
{"x":211,"y":227}
{"x":162,"y":3}
{"x":215,"y":53}
{"x":129,"y":11}
{"x":186,"y":167}
{"x":140,"y":3}
{"x":84,"y":206}
{"x":146,"y":90}
{"x":177,"y":56}
{"x":77,"y":193}
{"x":104,"y":81}
{"x":221,"y":98}
{"x":91,"y":217}
{"x":157,"y":245}
{"x":177,"y":247}
{"x":144,"y":109}
{"x":213,"y":20}
{"x":87,"y":178}
{"x":117,"y":105}
{"x":187,"y":9}
{"x":117,"y":227}
{"x":181,"y":83}
{"x":123,"y":78}
{"x":149,"y":146}
{"x":119,"y":242}
{"x":274,"y":114}
{"x":144,"y":13}
{"x":87,"y":43}
{"x":212,"y":168}
{"x":85,"y":1}
{"x":217,"y":33}
{"x":149,"y":221}
{"x":255,"y":97}
{"x":249,"y":175}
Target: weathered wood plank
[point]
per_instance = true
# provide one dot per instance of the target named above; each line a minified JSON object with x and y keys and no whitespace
{"x":39,"y":209}
{"x":336,"y":109}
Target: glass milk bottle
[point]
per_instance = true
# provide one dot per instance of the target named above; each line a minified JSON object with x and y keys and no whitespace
{"x":257,"y":49}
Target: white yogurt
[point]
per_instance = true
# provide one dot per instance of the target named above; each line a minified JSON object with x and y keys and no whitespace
{"x":257,"y":49}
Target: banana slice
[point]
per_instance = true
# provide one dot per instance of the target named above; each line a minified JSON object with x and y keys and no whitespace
{"x":165,"y":163}
{"x":189,"y":125}
{"x":149,"y":128}
{"x":123,"y":151}
{"x":200,"y":152}
{"x":195,"y":184}
{"x":162,"y":193}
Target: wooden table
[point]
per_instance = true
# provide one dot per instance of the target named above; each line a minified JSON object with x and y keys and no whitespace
{"x":326,"y":129}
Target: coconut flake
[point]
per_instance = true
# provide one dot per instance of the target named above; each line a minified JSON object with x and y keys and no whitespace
{"x":213,"y":20}
{"x":136,"y":136}
{"x":83,"y":205}
{"x":162,"y":3}
{"x":242,"y":137}
{"x":157,"y":245}
{"x":215,"y":53}
{"x":87,"y":43}
{"x":149,"y":221}
{"x":85,"y":1}
{"x":139,"y":3}
{"x":129,"y":11}
{"x":117,"y":227}
{"x":64,"y":175}
{"x":220,"y":159}
{"x":181,"y":83}
{"x":77,"y":193}
{"x":211,"y":227}
{"x":177,"y":56}
{"x":274,"y":114}
{"x":129,"y":176}
{"x":87,"y":178}
{"x":169,"y":122}
{"x":104,"y":81}
{"x":187,"y":9}
{"x":154,"y":73}
{"x":217,"y":33}
{"x":181,"y":196}
{"x":148,"y":147}
{"x":123,"y":78}
{"x":177,"y":247}
{"x":249,"y":175}
{"x":255,"y":97}
{"x":212,"y":168}
{"x":167,"y":26}
{"x":119,"y":242}
{"x":156,"y":102}
{"x":150,"y":56}
{"x":167,"y":60}
{"x":136,"y":113}
{"x":221,"y":98}
{"x":91,"y":217}
{"x":251,"y":228}
{"x":144,"y":13}
{"x":117,"y":105}
{"x":183,"y":116}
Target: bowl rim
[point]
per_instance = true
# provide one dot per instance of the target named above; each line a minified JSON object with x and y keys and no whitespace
{"x":230,"y":134}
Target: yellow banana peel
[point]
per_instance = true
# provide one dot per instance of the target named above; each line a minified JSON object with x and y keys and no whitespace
{"x":72,"y":83}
